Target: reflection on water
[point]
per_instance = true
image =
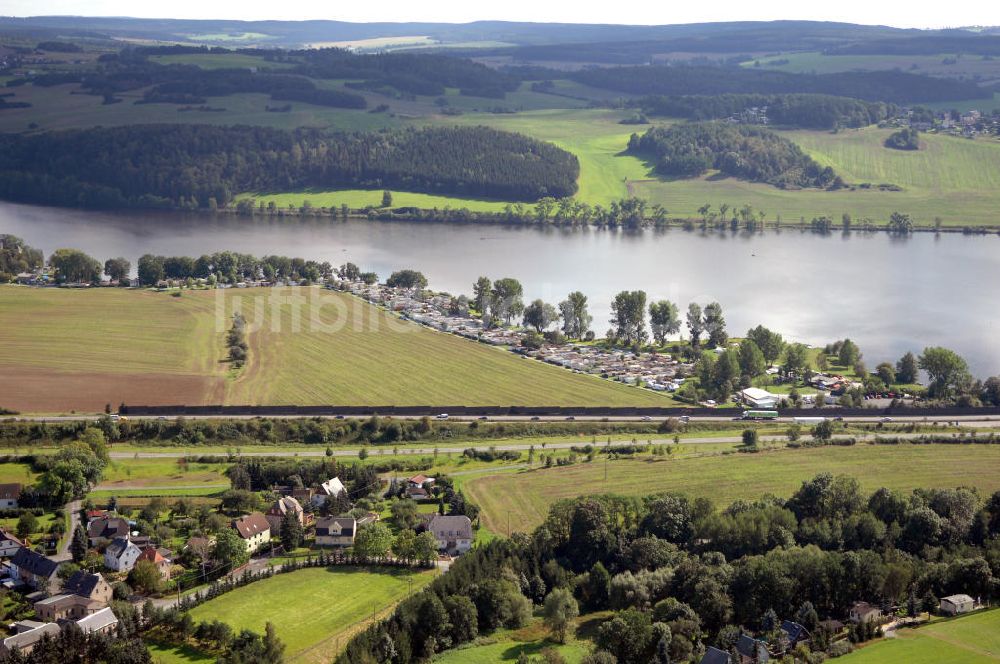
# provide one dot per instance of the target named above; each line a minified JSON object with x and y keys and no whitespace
{"x":890,"y":294}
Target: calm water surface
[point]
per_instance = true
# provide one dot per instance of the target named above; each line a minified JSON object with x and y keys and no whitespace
{"x":889,"y":294}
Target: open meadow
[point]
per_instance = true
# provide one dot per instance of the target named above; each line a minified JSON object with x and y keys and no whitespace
{"x":314,"y":610}
{"x":81,"y":349}
{"x":525,"y":496}
{"x":969,"y":639}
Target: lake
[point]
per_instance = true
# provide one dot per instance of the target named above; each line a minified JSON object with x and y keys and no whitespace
{"x":889,"y":294}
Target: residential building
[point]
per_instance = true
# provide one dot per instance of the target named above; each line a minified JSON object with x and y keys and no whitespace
{"x":282,"y":506}
{"x":715,"y":656}
{"x":794,"y":632}
{"x":92,"y":586}
{"x":418,"y":487}
{"x":9,"y":544}
{"x":865,"y":612}
{"x":453,"y":533}
{"x":106,"y":528}
{"x":160,"y":558}
{"x":336,"y":531}
{"x":751,"y":650}
{"x":121,"y":555}
{"x":254,"y":530}
{"x":67,"y":607}
{"x":329,"y":488}
{"x":9,"y":495}
{"x":34,"y":570}
{"x":24,"y":642}
{"x":956,"y":604}
{"x":100,"y":622}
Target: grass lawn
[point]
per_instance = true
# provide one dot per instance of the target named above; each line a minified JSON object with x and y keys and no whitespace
{"x":140,"y":473}
{"x":20,"y":473}
{"x":78,"y":350}
{"x":970,"y":639}
{"x":507,"y":646}
{"x":313,"y":610}
{"x":163,"y":653}
{"x":527,"y":495}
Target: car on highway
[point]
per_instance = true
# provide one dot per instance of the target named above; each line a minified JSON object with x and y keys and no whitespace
{"x":535,"y":418}
{"x":886,"y":419}
{"x":442,"y":416}
{"x":570,"y":418}
{"x":483,"y":418}
{"x":647,"y":418}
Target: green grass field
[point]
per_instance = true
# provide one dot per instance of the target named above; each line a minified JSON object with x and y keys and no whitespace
{"x":163,"y":653}
{"x":952,"y":178}
{"x":527,"y":495}
{"x":970,"y":639}
{"x":374,"y":358}
{"x":313,"y":610}
{"x":507,"y":645}
{"x":79,"y":350}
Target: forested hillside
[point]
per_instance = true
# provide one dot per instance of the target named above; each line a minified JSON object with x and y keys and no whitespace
{"x":888,"y":86}
{"x":204,"y":166}
{"x":745,"y":152}
{"x":808,"y":111}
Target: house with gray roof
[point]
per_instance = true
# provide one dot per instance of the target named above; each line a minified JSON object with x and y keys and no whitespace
{"x":106,"y":528}
{"x":101,"y":622}
{"x":453,"y":533}
{"x":34,"y":570}
{"x":121,"y":555}
{"x":24,"y":642}
{"x":336,"y":531}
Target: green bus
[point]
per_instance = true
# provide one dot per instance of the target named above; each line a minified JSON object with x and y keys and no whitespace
{"x":760,"y":415}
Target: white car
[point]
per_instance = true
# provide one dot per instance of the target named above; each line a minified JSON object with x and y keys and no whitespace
{"x":647,"y":418}
{"x":442,"y":416}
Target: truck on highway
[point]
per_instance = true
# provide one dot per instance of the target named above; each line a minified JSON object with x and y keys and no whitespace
{"x":760,"y":415}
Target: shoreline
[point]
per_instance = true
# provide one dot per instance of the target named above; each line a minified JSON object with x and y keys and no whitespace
{"x":465,"y":216}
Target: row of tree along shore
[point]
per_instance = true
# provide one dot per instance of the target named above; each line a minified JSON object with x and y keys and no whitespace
{"x":629,"y":212}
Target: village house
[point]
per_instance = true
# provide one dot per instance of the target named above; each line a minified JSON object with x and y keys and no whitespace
{"x":66,"y":607}
{"x":9,"y":495}
{"x":751,"y":650}
{"x":254,"y":530}
{"x":336,"y":531}
{"x":794,"y":632}
{"x":956,"y":604}
{"x":453,"y":533}
{"x":9,"y":545}
{"x":102,"y":622}
{"x":160,"y":558}
{"x":331,"y":488}
{"x":715,"y":656}
{"x":864,"y":612}
{"x":106,"y":528}
{"x":282,"y":506}
{"x":92,"y":586}
{"x":24,"y":642}
{"x":34,"y":570}
{"x":418,"y":487}
{"x":121,"y":555}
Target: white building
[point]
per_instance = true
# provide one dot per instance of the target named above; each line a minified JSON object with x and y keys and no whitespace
{"x":758,"y":398}
{"x":121,"y":555}
{"x":956,"y":604}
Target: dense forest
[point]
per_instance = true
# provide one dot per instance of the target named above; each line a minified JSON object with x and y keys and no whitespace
{"x":679,"y":575}
{"x":741,"y":151}
{"x":934,"y":44}
{"x":808,"y":111}
{"x":888,"y":86}
{"x":204,"y":166}
{"x":417,"y":74}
